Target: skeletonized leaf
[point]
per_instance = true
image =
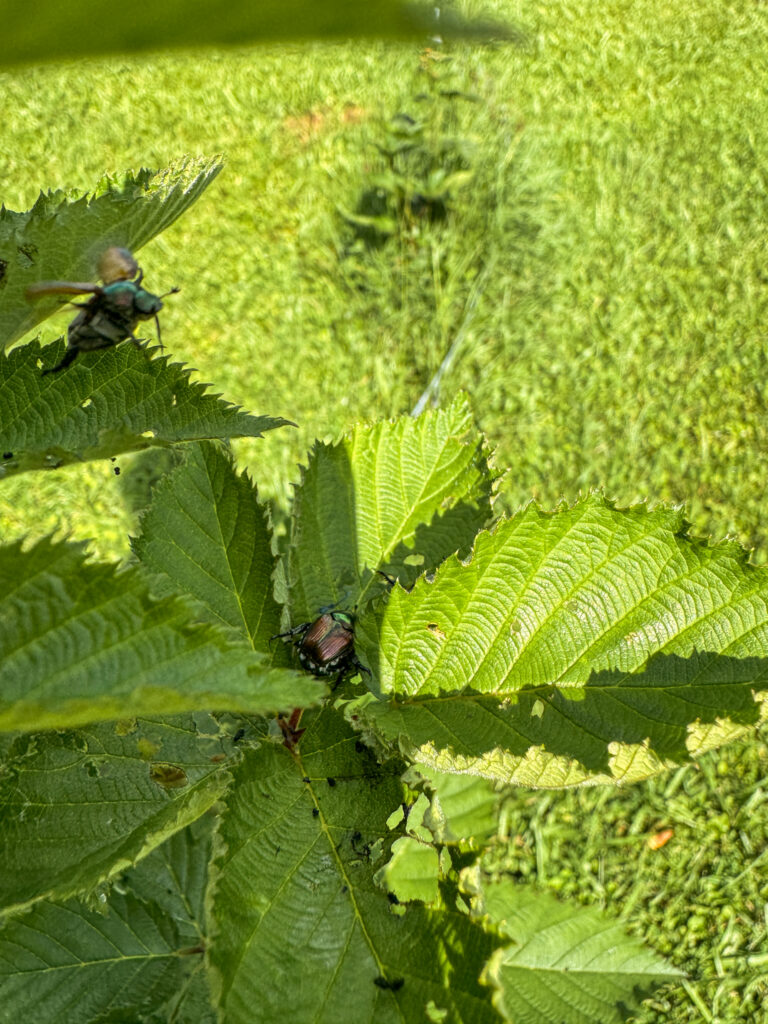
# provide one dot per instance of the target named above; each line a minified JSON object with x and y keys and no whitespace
{"x":294,"y":898}
{"x":137,"y":957}
{"x":148,"y":26}
{"x":206,"y":533}
{"x":64,"y":233}
{"x":108,"y":402}
{"x":566,"y":964}
{"x":78,"y":806}
{"x":83,"y":642}
{"x":399,"y":496}
{"x":586,"y":645}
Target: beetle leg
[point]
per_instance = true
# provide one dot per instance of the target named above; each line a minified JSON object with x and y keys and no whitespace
{"x":361,"y":667}
{"x":291,"y":632}
{"x":69,"y":356}
{"x":159,"y":335}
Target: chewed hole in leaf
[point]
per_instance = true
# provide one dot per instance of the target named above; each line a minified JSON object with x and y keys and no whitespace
{"x":414,"y":559}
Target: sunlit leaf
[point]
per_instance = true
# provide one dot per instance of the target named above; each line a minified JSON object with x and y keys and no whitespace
{"x":64,"y":233}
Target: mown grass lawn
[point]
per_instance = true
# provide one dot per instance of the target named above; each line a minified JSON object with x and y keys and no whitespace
{"x":604,"y":270}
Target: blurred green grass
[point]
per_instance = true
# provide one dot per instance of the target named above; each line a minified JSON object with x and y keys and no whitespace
{"x":619,"y":197}
{"x":615,"y":234}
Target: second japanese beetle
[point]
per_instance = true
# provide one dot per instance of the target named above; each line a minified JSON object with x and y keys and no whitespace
{"x":113,"y":310}
{"x":327,"y":645}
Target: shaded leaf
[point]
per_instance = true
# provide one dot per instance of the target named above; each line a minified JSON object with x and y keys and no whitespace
{"x":108,"y":402}
{"x":64,"y":233}
{"x":147,"y":26}
{"x":138,"y":957}
{"x":174,"y":877}
{"x":206,"y":533}
{"x":82,"y":642}
{"x":78,"y":806}
{"x":67,"y":964}
{"x":294,"y":897}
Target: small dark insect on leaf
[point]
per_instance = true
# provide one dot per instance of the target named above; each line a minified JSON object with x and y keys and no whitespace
{"x":393,"y":986}
{"x":331,"y":782}
{"x":306,"y":779}
{"x":116,"y":471}
{"x":393,"y":899}
{"x":7,"y":455}
{"x":113,"y":310}
{"x":315,"y":812}
{"x":238,"y":735}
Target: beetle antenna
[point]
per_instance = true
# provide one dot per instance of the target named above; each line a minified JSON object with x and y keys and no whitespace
{"x":173,"y":291}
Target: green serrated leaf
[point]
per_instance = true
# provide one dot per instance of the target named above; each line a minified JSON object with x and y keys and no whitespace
{"x":77,"y":807}
{"x":50,"y":35}
{"x":411,"y":872}
{"x":136,"y":955}
{"x":82,"y":642}
{"x":64,"y":233}
{"x":68,"y":964}
{"x":109,"y":402}
{"x":294,"y":897}
{"x":463,"y":806}
{"x":174,"y":877}
{"x":206,"y":533}
{"x":587,"y":645}
{"x":398,"y":496}
{"x":567,"y":965}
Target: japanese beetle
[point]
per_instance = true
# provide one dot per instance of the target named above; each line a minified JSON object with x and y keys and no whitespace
{"x":113,"y":310}
{"x":326,"y":645}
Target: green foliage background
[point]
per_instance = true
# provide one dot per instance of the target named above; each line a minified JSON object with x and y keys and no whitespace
{"x":619,"y":200}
